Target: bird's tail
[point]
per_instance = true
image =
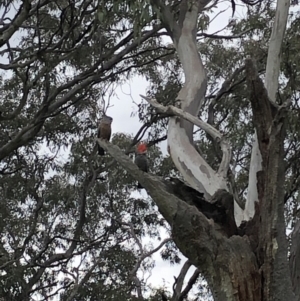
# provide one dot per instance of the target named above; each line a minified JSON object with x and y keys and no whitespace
{"x":100,"y":151}
{"x":139,"y":186}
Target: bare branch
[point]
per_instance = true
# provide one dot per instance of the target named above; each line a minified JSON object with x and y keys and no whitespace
{"x":215,"y":134}
{"x":86,"y":277}
{"x":180,"y":279}
{"x":77,"y":84}
{"x":215,"y":36}
{"x":144,"y":255}
{"x":190,"y":284}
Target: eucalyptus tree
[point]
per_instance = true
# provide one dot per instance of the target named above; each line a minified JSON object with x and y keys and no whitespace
{"x":237,"y":237}
{"x":69,"y":226}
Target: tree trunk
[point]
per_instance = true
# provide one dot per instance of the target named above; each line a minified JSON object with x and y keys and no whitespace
{"x":228,"y":264}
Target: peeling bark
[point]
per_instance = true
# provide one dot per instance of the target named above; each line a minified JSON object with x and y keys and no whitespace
{"x":274,"y":51}
{"x":255,"y":167}
{"x":214,"y":133}
{"x":269,"y":122}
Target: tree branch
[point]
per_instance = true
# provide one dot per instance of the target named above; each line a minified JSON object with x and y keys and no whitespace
{"x":166,"y":202}
{"x":190,"y":284}
{"x":21,"y":16}
{"x":187,"y":160}
{"x":180,"y":279}
{"x":214,"y":133}
{"x":274,"y":50}
{"x":263,"y":110}
{"x":215,"y":36}
{"x":74,"y":86}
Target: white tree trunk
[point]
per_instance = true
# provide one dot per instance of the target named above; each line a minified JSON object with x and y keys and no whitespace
{"x":191,"y":165}
{"x":274,"y":51}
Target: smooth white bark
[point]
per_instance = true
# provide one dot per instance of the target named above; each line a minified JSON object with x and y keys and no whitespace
{"x":274,"y":51}
{"x":194,"y":169}
{"x":214,"y":133}
{"x":238,"y":214}
{"x":210,"y":186}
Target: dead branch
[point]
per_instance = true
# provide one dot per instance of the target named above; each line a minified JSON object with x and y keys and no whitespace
{"x":215,"y":134}
{"x":215,"y":36}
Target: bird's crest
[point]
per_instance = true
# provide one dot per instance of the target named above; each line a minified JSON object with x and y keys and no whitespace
{"x":142,"y":148}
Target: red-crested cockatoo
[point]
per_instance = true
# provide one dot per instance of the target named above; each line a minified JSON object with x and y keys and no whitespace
{"x":141,"y":159}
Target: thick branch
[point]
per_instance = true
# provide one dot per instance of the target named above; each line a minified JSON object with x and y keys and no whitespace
{"x":21,"y":16}
{"x":271,"y":84}
{"x":219,"y":259}
{"x":262,"y":109}
{"x":269,"y":121}
{"x":166,"y":202}
{"x":187,"y":160}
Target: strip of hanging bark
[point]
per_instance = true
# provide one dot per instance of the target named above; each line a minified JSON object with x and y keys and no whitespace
{"x":215,"y":134}
{"x":262,"y":108}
